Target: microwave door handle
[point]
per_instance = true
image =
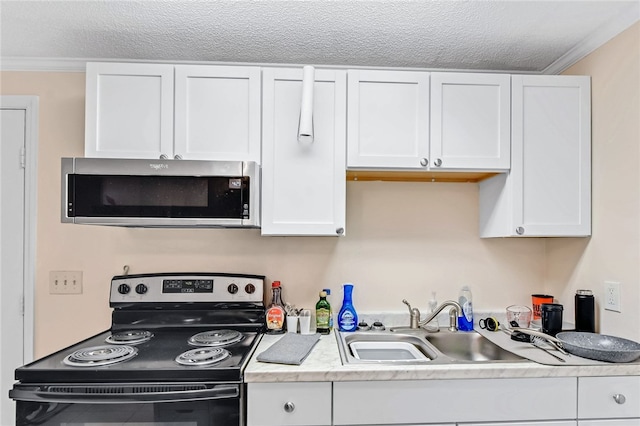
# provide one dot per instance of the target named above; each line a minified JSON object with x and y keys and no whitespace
{"x":96,"y":395}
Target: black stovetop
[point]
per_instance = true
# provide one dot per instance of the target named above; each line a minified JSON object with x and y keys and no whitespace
{"x":154,"y":362}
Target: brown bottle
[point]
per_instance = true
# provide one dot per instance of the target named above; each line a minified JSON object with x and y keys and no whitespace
{"x":275,"y":315}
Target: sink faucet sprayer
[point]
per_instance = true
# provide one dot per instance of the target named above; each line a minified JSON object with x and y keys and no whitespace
{"x":454,"y":313}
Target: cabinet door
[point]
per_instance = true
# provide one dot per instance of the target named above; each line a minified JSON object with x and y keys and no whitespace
{"x":609,"y":397}
{"x":552,"y":155}
{"x":548,"y":190}
{"x":129,"y":110}
{"x":442,"y":401}
{"x":303,"y":184}
{"x":470,"y":121}
{"x":279,"y":404}
{"x":388,"y":119}
{"x":217,"y":113}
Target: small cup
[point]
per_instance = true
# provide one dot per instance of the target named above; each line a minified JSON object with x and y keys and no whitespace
{"x":292,"y":324}
{"x":520,"y":314}
{"x":489,"y":323}
{"x":537,"y":301}
{"x":305,"y":322}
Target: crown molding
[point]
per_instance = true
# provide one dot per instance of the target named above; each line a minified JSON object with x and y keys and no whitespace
{"x":597,"y":39}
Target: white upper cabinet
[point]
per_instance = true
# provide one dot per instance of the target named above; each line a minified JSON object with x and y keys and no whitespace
{"x":129,"y":110}
{"x":303,"y":183}
{"x":133,"y":111}
{"x":548,"y":191}
{"x":439,"y":121}
{"x":470,"y":121}
{"x":388,"y":119}
{"x":217,"y":112}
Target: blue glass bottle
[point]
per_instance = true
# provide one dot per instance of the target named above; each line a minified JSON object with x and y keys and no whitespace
{"x":348,"y":317}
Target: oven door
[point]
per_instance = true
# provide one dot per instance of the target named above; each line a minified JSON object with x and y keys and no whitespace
{"x":141,"y":404}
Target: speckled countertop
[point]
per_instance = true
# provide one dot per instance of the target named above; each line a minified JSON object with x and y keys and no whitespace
{"x":324,"y":365}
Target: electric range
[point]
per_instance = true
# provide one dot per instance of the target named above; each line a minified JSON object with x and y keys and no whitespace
{"x":178,"y":343}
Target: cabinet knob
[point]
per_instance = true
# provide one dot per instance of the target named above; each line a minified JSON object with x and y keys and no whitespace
{"x":438,"y":162}
{"x":289,"y":407}
{"x":619,"y":398}
{"x":177,"y":157}
{"x":164,"y":157}
{"x":520,"y":230}
{"x":424,"y":162}
{"x":340,"y":231}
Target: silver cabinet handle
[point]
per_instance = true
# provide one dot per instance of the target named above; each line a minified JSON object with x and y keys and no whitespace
{"x":289,"y":407}
{"x":177,"y":157}
{"x":424,"y":162}
{"x":164,"y":157}
{"x":438,"y":162}
{"x":520,"y":230}
{"x":340,"y":231}
{"x":619,"y":398}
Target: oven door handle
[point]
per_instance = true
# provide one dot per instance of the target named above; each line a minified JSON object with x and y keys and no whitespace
{"x":122,"y":393}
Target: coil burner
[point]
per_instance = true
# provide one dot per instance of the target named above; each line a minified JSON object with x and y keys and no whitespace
{"x":129,"y":337}
{"x":215,"y":338}
{"x":100,"y":355}
{"x":203,"y":356}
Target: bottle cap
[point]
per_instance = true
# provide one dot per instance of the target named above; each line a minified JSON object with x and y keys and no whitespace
{"x":275,"y":284}
{"x":323,"y":293}
{"x":584,"y":292}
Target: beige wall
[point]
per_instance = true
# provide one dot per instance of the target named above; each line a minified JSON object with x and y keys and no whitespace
{"x":613,"y":252}
{"x":403,"y":240}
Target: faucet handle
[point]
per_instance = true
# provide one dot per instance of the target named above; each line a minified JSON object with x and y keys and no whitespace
{"x":414,"y":315}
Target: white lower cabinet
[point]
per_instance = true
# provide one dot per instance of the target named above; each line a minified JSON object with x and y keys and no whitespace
{"x":601,"y":400}
{"x":294,"y":403}
{"x":455,"y":401}
{"x":543,"y":423}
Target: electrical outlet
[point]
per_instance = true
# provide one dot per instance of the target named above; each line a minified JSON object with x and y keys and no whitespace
{"x":65,"y":282}
{"x":612,"y":296}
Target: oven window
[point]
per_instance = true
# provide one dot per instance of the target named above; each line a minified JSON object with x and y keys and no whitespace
{"x":158,"y":196}
{"x":219,"y":412}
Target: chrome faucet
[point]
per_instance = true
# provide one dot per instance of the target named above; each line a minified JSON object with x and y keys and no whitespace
{"x":454,"y":313}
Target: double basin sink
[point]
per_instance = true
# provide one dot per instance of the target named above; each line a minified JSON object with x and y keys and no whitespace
{"x":418,"y":346}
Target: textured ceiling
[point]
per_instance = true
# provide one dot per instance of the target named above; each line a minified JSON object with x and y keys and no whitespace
{"x":525,"y":36}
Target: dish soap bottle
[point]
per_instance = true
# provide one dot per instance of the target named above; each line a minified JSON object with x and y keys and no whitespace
{"x":347,"y":317}
{"x":275,"y":313}
{"x":465,"y":320}
{"x":323,"y":314}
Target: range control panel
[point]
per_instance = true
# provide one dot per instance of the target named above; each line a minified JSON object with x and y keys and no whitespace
{"x":186,"y":287}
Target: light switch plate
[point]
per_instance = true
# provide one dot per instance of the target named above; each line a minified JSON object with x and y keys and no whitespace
{"x":65,"y":282}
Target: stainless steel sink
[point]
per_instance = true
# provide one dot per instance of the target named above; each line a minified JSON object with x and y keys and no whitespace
{"x":417,"y":346}
{"x":469,"y":346}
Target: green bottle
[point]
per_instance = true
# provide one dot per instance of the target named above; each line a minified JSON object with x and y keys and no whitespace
{"x":323,"y":314}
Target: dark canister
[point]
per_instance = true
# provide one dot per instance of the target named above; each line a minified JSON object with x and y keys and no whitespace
{"x":585,"y":311}
{"x":551,"y":314}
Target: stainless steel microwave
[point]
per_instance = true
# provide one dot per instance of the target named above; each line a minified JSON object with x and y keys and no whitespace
{"x":160,"y":193}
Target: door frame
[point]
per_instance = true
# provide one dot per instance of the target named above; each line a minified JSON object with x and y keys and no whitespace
{"x":30,"y":104}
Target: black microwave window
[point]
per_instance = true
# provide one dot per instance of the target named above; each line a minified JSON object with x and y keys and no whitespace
{"x":158,"y":196}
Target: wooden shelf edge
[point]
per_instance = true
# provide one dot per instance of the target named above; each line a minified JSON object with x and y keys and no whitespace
{"x":426,"y":176}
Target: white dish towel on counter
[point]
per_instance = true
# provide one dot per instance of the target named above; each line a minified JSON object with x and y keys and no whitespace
{"x":292,"y":348}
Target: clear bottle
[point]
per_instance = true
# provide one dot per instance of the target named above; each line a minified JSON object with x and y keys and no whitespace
{"x":323,"y":314}
{"x":275,"y":315}
{"x":348,"y":317}
{"x":465,"y":320}
{"x":328,"y":291}
{"x":433,"y":305}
